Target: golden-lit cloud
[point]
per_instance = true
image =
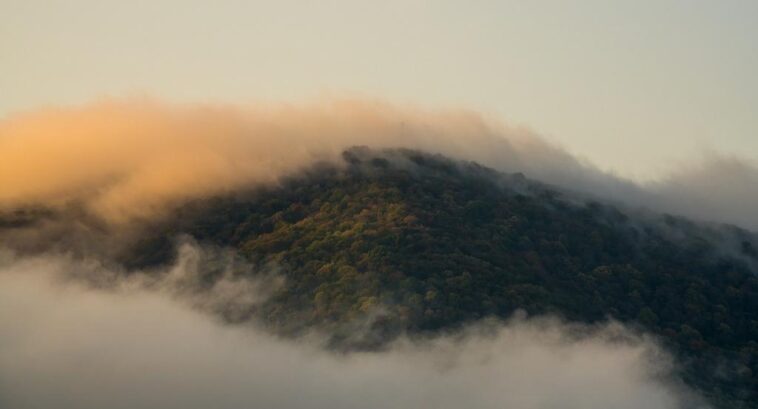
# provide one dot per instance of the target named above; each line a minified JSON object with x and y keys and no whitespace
{"x":128,"y":159}
{"x":131,"y":159}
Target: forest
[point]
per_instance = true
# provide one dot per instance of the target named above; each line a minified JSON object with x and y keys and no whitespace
{"x":401,"y":242}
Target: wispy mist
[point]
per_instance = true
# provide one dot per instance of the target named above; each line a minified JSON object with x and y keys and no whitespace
{"x":65,"y":345}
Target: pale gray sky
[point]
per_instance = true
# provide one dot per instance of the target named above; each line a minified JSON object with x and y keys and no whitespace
{"x":633,"y":86}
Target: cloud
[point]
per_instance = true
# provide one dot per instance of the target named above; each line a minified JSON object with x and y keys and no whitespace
{"x":719,"y":187}
{"x":129,"y":159}
{"x":132,"y":159}
{"x":67,"y":345}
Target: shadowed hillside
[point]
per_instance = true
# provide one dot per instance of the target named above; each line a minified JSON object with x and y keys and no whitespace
{"x":403,"y":242}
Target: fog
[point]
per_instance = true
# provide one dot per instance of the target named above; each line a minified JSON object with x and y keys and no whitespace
{"x":137,"y":344}
{"x":78,"y":331}
{"x":133,"y":159}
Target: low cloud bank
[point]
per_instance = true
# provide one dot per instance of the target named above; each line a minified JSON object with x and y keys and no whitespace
{"x":719,"y":187}
{"x":128,"y":159}
{"x":67,"y":345}
{"x":132,"y":159}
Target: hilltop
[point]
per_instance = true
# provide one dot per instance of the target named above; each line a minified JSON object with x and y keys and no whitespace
{"x":403,"y":242}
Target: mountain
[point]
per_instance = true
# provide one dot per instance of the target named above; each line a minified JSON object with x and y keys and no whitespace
{"x":403,"y":242}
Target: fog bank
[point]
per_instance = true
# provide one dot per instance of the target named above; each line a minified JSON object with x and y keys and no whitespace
{"x":127,"y":159}
{"x":65,"y":345}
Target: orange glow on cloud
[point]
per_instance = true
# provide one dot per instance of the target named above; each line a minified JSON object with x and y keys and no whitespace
{"x":128,"y":159}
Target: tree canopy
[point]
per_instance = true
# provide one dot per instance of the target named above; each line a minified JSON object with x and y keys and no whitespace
{"x":419,"y":243}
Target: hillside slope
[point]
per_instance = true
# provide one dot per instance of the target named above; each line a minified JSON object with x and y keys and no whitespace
{"x":420,"y":243}
{"x":404,"y":242}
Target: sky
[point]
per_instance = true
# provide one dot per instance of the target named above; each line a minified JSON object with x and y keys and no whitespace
{"x":636,"y":87}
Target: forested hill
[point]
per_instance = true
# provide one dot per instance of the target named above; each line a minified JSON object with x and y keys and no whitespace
{"x":422,"y":243}
{"x":419,"y":243}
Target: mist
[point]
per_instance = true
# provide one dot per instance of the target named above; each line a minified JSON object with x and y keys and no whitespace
{"x":81,"y":329}
{"x":66,"y":344}
{"x":126,"y":160}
